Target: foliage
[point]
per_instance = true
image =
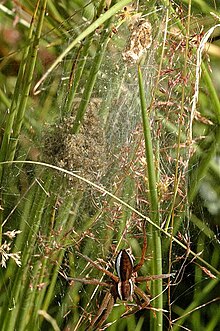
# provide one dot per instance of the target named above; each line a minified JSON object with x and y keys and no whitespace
{"x":109,"y":116}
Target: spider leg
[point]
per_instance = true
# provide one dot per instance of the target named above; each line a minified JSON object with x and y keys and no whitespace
{"x":143,"y":296}
{"x":146,"y":304}
{"x":108,"y":273}
{"x":138,"y":295}
{"x":144,"y":249}
{"x":91,"y":281}
{"x":103,"y":311}
{"x":153,"y":277}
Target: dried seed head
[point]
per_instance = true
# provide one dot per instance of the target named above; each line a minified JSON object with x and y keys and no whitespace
{"x":140,"y":40}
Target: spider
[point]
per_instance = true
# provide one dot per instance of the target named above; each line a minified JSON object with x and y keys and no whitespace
{"x":121,"y":286}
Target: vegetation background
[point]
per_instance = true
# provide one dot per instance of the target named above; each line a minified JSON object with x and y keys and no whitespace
{"x":92,"y":145}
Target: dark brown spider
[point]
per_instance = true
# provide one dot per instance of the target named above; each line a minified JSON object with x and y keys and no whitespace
{"x":123,"y":286}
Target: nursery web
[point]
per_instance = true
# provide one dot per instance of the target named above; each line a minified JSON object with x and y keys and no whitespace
{"x":70,"y":215}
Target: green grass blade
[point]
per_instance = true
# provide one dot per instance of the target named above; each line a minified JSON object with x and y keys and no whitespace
{"x":157,"y":322}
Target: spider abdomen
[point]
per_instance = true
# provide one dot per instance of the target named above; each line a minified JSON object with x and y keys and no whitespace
{"x":124,"y":265}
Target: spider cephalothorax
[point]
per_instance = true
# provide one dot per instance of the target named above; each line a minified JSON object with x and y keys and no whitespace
{"x":121,"y":286}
